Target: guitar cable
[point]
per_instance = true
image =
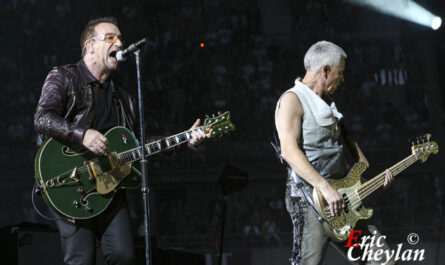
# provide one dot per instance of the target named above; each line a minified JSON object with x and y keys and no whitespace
{"x":301,"y":183}
{"x":35,"y":190}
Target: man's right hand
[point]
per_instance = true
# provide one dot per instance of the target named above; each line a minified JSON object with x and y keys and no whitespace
{"x":95,"y":142}
{"x":333,"y":198}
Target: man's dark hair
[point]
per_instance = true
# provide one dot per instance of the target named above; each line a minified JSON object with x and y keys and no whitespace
{"x":88,"y":31}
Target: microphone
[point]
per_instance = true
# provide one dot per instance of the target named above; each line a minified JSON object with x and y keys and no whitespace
{"x":123,"y":55}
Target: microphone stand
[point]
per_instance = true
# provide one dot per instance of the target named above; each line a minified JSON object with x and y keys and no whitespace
{"x":144,"y":164}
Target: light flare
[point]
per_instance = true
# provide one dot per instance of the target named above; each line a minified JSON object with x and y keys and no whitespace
{"x":404,"y":9}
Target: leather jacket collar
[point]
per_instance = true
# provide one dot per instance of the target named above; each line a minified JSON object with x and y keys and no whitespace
{"x":85,"y":73}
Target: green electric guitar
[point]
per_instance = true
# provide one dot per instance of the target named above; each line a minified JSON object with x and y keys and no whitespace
{"x":78,"y":184}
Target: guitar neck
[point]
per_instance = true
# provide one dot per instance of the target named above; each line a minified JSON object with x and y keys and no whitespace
{"x":376,"y":182}
{"x":158,"y":146}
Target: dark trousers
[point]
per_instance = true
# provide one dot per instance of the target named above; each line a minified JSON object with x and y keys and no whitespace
{"x":111,"y":228}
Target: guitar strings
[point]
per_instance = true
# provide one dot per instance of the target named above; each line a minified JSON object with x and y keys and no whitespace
{"x":368,"y":187}
{"x":356,"y":200}
{"x":128,"y":153}
{"x":103,"y":162}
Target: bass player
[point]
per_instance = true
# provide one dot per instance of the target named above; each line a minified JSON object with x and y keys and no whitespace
{"x":309,"y":129}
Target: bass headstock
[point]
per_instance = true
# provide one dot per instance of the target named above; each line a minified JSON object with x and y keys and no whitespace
{"x":423,"y":147}
{"x":218,"y":124}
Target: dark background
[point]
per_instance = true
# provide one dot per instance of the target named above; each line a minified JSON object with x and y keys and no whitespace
{"x":253,"y":51}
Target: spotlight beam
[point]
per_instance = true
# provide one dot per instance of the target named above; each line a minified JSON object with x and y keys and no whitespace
{"x":404,"y":9}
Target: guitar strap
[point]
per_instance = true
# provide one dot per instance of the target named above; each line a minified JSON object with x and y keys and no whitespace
{"x":301,"y":183}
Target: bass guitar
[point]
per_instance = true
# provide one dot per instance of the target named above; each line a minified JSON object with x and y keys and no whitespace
{"x":79,"y":184}
{"x":353,"y":192}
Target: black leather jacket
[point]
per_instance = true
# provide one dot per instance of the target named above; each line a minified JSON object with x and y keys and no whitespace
{"x":66,"y":106}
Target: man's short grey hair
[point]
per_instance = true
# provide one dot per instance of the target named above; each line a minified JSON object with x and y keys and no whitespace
{"x":323,"y":53}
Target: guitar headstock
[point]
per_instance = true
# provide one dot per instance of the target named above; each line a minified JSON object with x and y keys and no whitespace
{"x":423,"y":147}
{"x":218,"y":124}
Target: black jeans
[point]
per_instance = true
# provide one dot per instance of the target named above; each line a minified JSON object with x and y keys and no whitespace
{"x":113,"y":230}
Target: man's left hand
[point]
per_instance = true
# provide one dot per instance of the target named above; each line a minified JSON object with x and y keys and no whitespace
{"x":197,"y":135}
{"x":388,"y":178}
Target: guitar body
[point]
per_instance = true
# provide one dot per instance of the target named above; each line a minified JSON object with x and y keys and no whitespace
{"x":78,"y":184}
{"x":338,"y":228}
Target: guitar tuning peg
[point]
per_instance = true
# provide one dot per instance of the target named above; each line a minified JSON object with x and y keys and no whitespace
{"x":213,"y":115}
{"x":428,"y":137}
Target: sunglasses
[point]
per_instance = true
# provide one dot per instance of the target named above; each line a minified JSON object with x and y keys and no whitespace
{"x":108,"y":38}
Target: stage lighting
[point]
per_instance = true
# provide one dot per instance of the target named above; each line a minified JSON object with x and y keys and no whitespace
{"x":435,"y":24}
{"x":404,"y":9}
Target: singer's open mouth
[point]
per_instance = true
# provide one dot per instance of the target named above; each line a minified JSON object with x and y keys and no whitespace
{"x":113,"y":54}
{"x":112,"y":57}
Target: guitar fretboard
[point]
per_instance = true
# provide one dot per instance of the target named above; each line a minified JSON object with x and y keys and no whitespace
{"x":157,"y":146}
{"x":376,"y":182}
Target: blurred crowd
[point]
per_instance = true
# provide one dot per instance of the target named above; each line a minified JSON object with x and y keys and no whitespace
{"x":205,"y":56}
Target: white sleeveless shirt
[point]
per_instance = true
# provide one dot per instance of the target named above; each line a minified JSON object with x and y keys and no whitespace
{"x":320,"y":134}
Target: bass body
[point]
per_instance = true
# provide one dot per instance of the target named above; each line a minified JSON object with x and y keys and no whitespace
{"x":338,"y":228}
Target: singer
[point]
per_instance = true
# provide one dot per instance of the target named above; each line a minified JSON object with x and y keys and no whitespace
{"x":77,"y":104}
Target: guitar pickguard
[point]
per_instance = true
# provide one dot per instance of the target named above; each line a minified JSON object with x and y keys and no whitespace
{"x":108,"y":181}
{"x":353,"y":212}
{"x":108,"y":173}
